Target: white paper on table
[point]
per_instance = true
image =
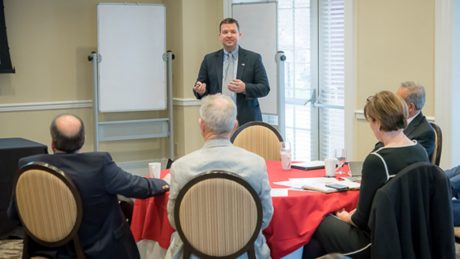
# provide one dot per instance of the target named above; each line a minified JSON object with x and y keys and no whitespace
{"x":299,"y":183}
{"x":314,"y":183}
{"x":288,"y":184}
{"x":303,"y":181}
{"x":319,"y":183}
{"x":279,"y":192}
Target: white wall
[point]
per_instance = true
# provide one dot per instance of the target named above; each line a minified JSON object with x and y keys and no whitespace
{"x":447,"y":92}
{"x":456,"y":82}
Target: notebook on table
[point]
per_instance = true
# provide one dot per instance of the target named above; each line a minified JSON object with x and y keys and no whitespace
{"x":328,"y":185}
{"x":308,"y":165}
{"x":320,"y":184}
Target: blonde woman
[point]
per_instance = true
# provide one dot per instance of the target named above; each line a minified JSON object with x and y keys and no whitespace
{"x":346,"y":232}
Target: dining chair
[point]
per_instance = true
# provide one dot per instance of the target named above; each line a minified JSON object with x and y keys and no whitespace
{"x":49,"y":206}
{"x":260,"y":138}
{"x":436,"y":156}
{"x":169,"y":163}
{"x":127,"y":207}
{"x":409,"y":215}
{"x":457,"y":234}
{"x":218,"y":215}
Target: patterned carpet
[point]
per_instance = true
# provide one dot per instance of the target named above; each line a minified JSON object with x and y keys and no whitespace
{"x":10,"y":249}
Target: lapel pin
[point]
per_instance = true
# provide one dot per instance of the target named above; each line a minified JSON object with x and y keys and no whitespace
{"x":242,"y":64}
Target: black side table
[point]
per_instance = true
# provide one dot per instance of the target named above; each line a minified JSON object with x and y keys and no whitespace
{"x":11,"y":150}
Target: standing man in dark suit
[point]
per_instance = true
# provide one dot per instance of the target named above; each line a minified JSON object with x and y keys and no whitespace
{"x":418,"y":127}
{"x":104,"y":232}
{"x":235,"y":72}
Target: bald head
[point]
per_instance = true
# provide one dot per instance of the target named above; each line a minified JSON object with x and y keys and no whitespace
{"x":67,"y":133}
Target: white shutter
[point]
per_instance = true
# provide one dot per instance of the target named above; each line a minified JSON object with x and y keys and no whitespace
{"x":294,"y":39}
{"x":311,"y":34}
{"x":331,"y":75}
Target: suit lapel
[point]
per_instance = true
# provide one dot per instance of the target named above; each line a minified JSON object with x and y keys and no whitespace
{"x":413,"y":125}
{"x":241,"y":63}
{"x":219,"y":65}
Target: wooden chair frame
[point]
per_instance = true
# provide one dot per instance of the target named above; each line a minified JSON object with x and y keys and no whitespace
{"x":73,"y":234}
{"x":249,"y":247}
{"x":244,"y":127}
{"x":253,"y":123}
{"x":436,"y":156}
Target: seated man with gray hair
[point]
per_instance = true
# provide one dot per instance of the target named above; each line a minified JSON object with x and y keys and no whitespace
{"x":217,"y":122}
{"x":418,"y":127}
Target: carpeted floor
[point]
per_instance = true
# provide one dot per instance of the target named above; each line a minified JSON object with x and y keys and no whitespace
{"x":10,"y":249}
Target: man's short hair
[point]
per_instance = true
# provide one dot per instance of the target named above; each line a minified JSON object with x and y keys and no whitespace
{"x":416,"y":94}
{"x":64,"y":143}
{"x":218,"y":112}
{"x":387,"y":108}
{"x":229,"y":21}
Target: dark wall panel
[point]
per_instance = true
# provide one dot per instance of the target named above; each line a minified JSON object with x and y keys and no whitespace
{"x":5,"y":59}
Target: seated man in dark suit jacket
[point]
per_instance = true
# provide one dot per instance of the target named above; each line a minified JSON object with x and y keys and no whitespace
{"x":103,"y":233}
{"x":454,"y":178}
{"x":418,"y":127}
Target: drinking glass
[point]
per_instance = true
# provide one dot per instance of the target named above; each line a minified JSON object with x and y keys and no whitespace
{"x":341,"y":156}
{"x":330,"y":166}
{"x":285,"y":152}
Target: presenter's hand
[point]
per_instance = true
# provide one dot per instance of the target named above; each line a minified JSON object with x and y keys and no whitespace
{"x":200,"y":88}
{"x":237,"y":86}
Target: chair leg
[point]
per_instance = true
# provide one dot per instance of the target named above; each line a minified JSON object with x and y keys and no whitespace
{"x":187,"y":253}
{"x":251,"y":252}
{"x":78,"y":249}
{"x":32,"y":249}
{"x":25,"y":247}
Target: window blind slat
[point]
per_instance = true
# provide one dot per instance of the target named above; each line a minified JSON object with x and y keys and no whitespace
{"x":331,"y":73}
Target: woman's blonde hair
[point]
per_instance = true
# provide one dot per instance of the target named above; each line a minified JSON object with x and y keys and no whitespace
{"x":387,"y":108}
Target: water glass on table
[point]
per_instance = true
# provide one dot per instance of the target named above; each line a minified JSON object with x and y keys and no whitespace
{"x":330,"y":166}
{"x":154,"y":170}
{"x":341,"y":156}
{"x":285,"y":152}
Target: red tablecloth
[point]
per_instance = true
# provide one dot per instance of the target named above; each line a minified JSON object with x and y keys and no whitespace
{"x":294,"y":221}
